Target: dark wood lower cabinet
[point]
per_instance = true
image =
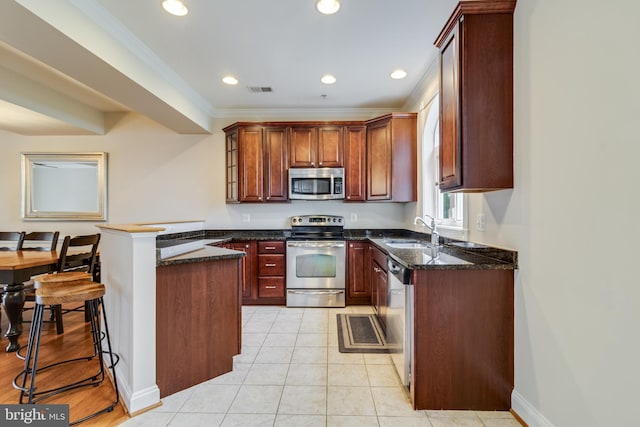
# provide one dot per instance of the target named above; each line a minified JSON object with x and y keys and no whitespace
{"x":198,"y":322}
{"x":263,"y":271}
{"x":379,"y":284}
{"x":358,"y":275}
{"x":247,"y":264}
{"x":463,"y":339}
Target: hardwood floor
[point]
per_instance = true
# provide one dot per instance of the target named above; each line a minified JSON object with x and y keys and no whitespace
{"x":75,"y":341}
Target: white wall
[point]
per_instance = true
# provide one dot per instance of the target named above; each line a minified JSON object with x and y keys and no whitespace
{"x":571,"y":215}
{"x":156,"y":175}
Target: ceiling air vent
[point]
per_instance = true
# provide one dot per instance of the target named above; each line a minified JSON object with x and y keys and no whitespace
{"x":259,"y":89}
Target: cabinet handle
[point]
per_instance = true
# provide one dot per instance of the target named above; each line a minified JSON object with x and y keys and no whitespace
{"x":269,"y":248}
{"x":269,"y":287}
{"x":269,"y":265}
{"x":376,"y":269}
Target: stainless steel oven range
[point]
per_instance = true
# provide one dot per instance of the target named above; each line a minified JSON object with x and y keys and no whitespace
{"x":316,"y":254}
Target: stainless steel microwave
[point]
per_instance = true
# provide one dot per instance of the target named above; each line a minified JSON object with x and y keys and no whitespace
{"x":316,"y":183}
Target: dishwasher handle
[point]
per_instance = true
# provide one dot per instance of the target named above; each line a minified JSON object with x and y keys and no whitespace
{"x":400,"y":272}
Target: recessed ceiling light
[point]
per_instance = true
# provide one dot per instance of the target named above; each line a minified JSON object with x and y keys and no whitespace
{"x":328,"y":79}
{"x":175,"y":7}
{"x":230,"y":80}
{"x":328,"y":7}
{"x":399,"y":74}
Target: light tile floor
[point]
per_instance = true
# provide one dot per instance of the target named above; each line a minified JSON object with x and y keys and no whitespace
{"x":290,"y":373}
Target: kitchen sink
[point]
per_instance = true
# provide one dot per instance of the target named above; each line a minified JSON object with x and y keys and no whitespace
{"x":406,"y":244}
{"x":442,"y":259}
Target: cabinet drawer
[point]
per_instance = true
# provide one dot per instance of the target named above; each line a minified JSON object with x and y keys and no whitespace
{"x":380,"y":257}
{"x":271,"y":287}
{"x":271,"y":247}
{"x":271,"y":265}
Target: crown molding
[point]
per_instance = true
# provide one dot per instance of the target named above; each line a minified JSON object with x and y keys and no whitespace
{"x":301,"y":113}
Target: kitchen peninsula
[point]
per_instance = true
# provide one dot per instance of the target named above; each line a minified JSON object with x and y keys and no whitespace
{"x":176,"y":321}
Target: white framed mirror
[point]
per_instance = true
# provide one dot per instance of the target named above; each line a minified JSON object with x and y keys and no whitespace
{"x":64,"y":186}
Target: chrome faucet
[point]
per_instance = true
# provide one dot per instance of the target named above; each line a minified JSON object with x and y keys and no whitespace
{"x":435,"y":238}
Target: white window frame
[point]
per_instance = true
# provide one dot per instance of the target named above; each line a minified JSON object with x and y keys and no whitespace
{"x":456,"y":228}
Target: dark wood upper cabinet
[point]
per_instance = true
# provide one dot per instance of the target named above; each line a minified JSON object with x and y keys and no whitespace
{"x":231,"y":161}
{"x":391,"y":157}
{"x":256,"y":164}
{"x":275,"y":163}
{"x":355,"y":138}
{"x":330,"y":147}
{"x":476,"y":97}
{"x":303,"y":142}
{"x":315,"y":146}
{"x":250,"y":164}
{"x":379,"y":157}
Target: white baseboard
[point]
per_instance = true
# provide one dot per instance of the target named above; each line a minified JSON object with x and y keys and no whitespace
{"x":140,"y":400}
{"x":528,"y":412}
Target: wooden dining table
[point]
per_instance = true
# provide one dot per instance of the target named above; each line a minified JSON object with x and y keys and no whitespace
{"x":17,"y":267}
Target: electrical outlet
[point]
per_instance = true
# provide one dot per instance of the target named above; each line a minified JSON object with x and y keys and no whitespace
{"x":246,"y":217}
{"x":481,"y":222}
{"x":354,"y":217}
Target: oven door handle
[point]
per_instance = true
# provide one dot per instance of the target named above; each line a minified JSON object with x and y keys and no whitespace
{"x":291,"y":291}
{"x":315,"y":245}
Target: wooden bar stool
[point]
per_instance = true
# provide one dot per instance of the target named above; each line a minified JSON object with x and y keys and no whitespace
{"x":57,"y":289}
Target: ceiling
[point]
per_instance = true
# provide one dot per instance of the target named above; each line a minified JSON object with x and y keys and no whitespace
{"x":66,"y":64}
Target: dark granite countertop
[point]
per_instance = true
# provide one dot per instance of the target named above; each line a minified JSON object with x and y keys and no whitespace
{"x":449,"y":257}
{"x":206,"y":253}
{"x":453,"y":254}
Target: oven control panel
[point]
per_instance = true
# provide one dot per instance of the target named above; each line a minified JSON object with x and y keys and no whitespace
{"x":317,"y":220}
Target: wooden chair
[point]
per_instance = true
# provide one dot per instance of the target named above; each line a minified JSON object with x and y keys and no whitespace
{"x":72,"y":261}
{"x":55,"y":290}
{"x":37,"y":241}
{"x":11,"y":236}
{"x":40,"y":241}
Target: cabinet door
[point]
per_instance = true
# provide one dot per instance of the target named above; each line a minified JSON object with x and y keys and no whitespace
{"x":379,"y":282}
{"x":303,"y":142}
{"x":246,"y":265}
{"x":379,"y":161}
{"x":358,"y":279}
{"x":275,"y":161}
{"x":330,"y":147}
{"x":250,"y":164}
{"x":449,"y":158}
{"x":354,"y":160}
{"x":231,"y":162}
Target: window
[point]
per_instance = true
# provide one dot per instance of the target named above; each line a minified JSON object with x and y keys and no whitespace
{"x":449,"y":208}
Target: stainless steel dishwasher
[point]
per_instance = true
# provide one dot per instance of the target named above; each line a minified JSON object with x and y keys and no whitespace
{"x":400,"y":319}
